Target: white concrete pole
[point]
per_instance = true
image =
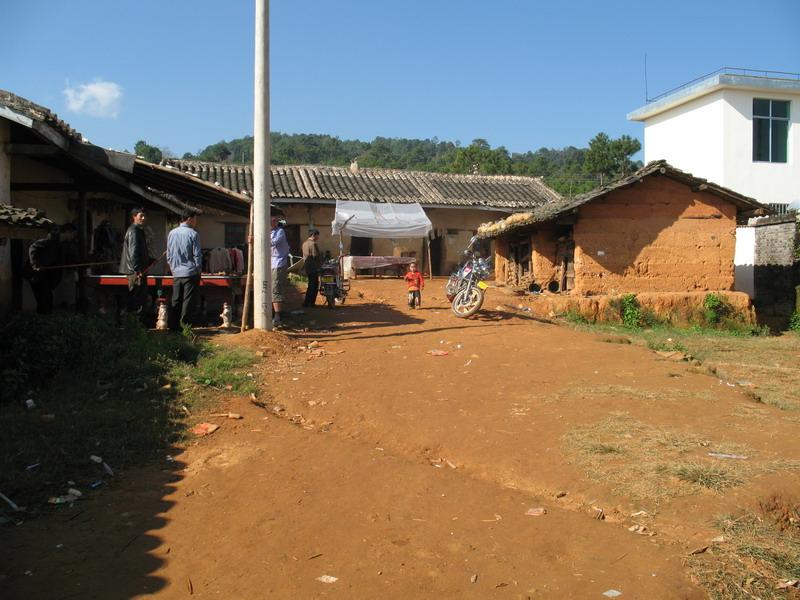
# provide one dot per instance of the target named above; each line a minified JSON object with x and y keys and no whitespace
{"x":262,"y":280}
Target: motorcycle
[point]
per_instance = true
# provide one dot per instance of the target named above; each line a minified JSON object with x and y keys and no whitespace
{"x":466,"y":289}
{"x":332,"y":286}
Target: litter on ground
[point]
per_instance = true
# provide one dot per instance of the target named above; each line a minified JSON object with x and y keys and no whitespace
{"x":202,"y":429}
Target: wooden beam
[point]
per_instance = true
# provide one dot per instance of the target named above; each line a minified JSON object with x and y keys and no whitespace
{"x":757,"y":212}
{"x":22,"y":233}
{"x":60,"y":186}
{"x":31,"y":149}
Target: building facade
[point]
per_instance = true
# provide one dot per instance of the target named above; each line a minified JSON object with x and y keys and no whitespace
{"x":736,"y":127}
{"x":657,"y":230}
{"x":456,"y":204}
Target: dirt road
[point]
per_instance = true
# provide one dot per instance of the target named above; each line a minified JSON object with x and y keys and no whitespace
{"x":405,"y":474}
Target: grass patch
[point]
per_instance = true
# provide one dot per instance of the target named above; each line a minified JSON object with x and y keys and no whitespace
{"x":654,"y":464}
{"x":121,"y":393}
{"x":712,"y":477}
{"x":747,"y":356}
{"x":574,"y":316}
{"x":573,"y":393}
{"x":760,"y":550}
{"x":666,"y":345}
{"x":219,"y":369}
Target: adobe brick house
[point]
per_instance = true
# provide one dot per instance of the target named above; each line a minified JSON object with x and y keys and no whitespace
{"x":657,"y":230}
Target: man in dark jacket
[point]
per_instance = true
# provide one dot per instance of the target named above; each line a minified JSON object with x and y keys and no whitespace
{"x":135,"y":259}
{"x":42,"y":271}
{"x":313,"y":261}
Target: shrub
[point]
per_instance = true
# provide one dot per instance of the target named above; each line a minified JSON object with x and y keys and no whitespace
{"x":715,"y":308}
{"x":794,"y":322}
{"x":574,"y":316}
{"x":630,"y":311}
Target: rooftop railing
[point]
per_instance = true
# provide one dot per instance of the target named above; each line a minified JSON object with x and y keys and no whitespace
{"x":730,"y":71}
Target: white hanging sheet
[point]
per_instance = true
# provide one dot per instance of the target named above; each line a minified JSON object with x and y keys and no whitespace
{"x":380,"y":220}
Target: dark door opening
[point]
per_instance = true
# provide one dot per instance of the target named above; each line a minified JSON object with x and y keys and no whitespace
{"x":360,"y":246}
{"x":436,"y":255}
{"x":520,"y":272}
{"x":565,"y":260}
{"x":293,"y":237}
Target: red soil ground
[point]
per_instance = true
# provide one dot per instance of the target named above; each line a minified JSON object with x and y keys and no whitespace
{"x":405,"y":474}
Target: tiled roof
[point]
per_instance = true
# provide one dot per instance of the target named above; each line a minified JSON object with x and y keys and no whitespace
{"x":25,"y":107}
{"x":30,"y":218}
{"x":304,"y":182}
{"x":553,"y":210}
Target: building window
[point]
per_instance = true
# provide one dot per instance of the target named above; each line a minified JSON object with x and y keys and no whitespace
{"x":235,"y":234}
{"x":770,"y":130}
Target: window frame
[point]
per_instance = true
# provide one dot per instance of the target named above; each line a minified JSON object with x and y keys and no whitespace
{"x":228,"y":233}
{"x":770,"y":120}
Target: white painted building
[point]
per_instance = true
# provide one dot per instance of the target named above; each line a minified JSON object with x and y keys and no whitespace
{"x":737,"y":128}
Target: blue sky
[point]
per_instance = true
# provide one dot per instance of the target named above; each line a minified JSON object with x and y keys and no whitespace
{"x":523,"y":74}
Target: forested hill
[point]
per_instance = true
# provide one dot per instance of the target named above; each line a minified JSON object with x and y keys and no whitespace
{"x":568,"y":170}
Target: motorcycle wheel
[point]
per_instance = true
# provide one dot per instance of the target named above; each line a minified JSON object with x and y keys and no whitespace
{"x":330,"y":299}
{"x":467,"y":302}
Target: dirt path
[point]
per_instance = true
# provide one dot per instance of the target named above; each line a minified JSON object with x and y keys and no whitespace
{"x":404,"y":474}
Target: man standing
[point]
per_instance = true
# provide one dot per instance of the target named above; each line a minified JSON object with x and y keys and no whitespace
{"x":185,"y":262}
{"x":312,"y":264}
{"x":280,"y":266}
{"x":135,"y":259}
{"x":42,"y":270}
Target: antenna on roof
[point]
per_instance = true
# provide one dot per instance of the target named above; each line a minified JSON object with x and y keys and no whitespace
{"x":646,"y":95}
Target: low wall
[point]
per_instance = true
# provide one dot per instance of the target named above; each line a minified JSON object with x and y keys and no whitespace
{"x":680,"y":309}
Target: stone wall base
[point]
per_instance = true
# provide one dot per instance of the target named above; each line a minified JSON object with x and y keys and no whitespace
{"x":681,"y":309}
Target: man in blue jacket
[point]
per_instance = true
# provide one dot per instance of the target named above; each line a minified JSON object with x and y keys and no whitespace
{"x":280,"y":268}
{"x":185,"y":262}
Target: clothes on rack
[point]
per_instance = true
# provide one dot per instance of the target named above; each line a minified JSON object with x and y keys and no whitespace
{"x":223,"y":260}
{"x":237,"y":260}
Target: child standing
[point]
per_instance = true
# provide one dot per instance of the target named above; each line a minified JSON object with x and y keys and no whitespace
{"x":415,"y":283}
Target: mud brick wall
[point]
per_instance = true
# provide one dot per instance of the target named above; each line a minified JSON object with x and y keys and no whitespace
{"x":543,"y":253}
{"x":500,"y":259}
{"x":655,"y":236}
{"x":776,"y":271}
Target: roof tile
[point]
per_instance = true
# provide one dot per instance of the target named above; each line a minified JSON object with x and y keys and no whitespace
{"x":315,"y":182}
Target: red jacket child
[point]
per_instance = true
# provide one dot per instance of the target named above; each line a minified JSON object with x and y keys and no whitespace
{"x":414,"y":280}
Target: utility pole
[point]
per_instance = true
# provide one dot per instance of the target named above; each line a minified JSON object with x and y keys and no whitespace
{"x":262,"y":272}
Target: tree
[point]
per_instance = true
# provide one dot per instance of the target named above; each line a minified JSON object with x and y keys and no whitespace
{"x":149,"y":153}
{"x":218,"y":152}
{"x":610,"y":158}
{"x":479,"y":157}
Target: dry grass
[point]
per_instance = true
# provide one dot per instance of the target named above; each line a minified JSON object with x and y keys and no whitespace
{"x":654,"y":464}
{"x":713,"y":477}
{"x":665,"y":394}
{"x":767,"y":365}
{"x":761,"y":548}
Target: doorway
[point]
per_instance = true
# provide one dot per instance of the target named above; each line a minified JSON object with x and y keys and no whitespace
{"x":436,"y":255}
{"x":360,"y":246}
{"x":565,"y":259}
{"x":293,"y":237}
{"x":519,"y":271}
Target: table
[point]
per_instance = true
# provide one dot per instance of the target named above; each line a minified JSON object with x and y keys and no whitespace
{"x":350,"y":264}
{"x":214,"y":290}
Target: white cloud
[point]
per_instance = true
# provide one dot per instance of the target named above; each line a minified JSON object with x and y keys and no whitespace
{"x":102,"y":99}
